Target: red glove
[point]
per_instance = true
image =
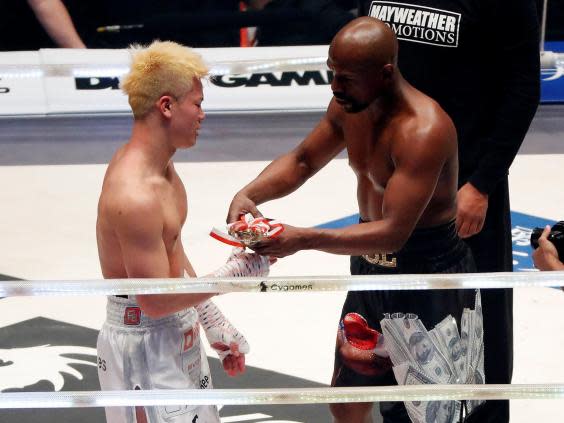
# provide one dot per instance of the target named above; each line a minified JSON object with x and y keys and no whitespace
{"x":362,"y":348}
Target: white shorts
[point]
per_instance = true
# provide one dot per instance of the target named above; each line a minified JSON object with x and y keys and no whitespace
{"x":136,"y":352}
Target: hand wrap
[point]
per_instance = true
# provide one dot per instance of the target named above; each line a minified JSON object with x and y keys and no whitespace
{"x":221,"y":334}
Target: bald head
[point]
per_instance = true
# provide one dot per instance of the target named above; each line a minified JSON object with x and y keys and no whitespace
{"x":364,"y":42}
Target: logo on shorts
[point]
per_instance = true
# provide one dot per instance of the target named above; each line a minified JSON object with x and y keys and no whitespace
{"x":188,"y":340}
{"x":190,"y":337}
{"x":381,"y":259}
{"x":419,"y":24}
{"x":132,"y":316}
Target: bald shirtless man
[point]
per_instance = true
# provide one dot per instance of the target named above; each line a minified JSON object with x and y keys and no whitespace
{"x":402,"y":147}
{"x":152,"y":341}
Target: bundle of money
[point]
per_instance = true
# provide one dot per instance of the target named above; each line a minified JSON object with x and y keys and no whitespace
{"x":407,"y":340}
{"x":440,"y":356}
{"x":425,"y":411}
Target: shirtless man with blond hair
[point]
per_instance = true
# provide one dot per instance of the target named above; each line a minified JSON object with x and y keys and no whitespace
{"x":152,"y":341}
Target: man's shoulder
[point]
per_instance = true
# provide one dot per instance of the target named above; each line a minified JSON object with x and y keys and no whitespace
{"x":128,"y":197}
{"x":427,"y":121}
{"x":427,"y":131}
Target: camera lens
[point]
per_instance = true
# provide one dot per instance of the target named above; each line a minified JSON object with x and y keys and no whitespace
{"x":535,"y":235}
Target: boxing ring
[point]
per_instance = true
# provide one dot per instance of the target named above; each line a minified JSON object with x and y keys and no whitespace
{"x":52,"y":159}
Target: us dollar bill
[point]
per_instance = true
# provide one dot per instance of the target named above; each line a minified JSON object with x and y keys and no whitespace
{"x":478,"y":378}
{"x":467,"y":339}
{"x":412,"y":343}
{"x":395,"y":345}
{"x":425,"y":411}
{"x":478,"y":322}
{"x":477,"y":375}
{"x":447,"y":337}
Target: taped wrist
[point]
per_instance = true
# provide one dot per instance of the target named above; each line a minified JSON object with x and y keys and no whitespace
{"x":240,"y":264}
{"x":219,"y":331}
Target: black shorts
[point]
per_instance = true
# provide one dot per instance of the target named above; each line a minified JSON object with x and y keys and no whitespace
{"x":429,"y":250}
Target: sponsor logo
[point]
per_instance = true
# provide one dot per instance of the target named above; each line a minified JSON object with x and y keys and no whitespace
{"x":132,"y":316}
{"x":550,"y":74}
{"x":382,"y":259}
{"x":279,"y":79}
{"x":96,"y":83}
{"x":102,"y":364}
{"x":205,"y":382}
{"x":296,"y":287}
{"x":188,"y":340}
{"x":197,"y":364}
{"x":4,"y":90}
{"x":419,"y":24}
{"x":190,"y":336}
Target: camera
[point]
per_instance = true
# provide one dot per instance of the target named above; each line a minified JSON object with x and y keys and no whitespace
{"x":556,"y":236}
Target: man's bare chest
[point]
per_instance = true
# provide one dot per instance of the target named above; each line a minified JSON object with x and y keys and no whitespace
{"x":174,"y":206}
{"x":370,"y":157}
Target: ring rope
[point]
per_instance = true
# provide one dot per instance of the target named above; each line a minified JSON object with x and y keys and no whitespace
{"x":549,"y":60}
{"x":217,"y":68}
{"x":76,"y":399}
{"x":281,"y":284}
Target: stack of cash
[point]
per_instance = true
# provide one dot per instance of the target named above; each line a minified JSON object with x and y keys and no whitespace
{"x":440,"y":356}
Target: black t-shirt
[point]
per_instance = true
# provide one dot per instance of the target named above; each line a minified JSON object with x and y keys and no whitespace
{"x":479,"y":59}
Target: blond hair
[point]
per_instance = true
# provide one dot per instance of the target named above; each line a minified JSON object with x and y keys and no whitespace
{"x":164,"y":67}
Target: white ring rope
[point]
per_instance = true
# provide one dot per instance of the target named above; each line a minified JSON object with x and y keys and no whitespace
{"x":549,"y":60}
{"x":281,"y":284}
{"x":217,"y":68}
{"x":277,"y":396}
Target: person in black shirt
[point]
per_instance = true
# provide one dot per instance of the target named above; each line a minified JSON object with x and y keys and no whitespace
{"x":480,"y":60}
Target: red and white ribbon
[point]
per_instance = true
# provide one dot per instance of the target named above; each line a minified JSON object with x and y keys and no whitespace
{"x":261,"y":226}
